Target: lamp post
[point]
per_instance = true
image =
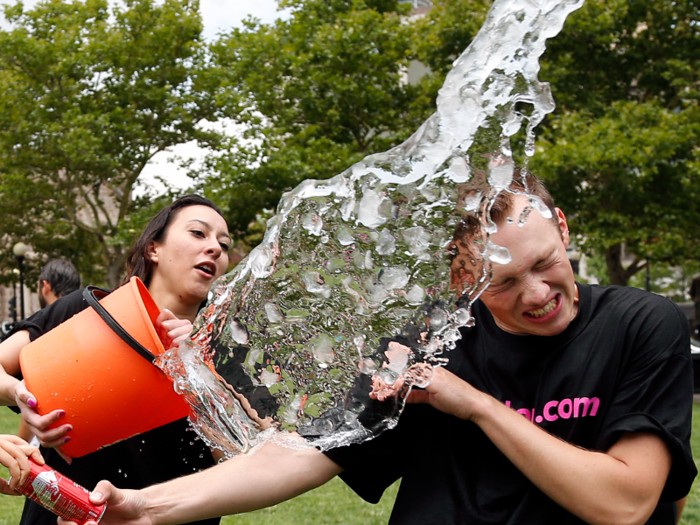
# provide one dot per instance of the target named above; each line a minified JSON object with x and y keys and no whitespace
{"x":19,"y":249}
{"x":648,"y":277}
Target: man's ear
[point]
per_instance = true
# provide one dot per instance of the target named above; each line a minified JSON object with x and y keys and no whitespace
{"x":563,"y":227}
{"x":46,"y":288}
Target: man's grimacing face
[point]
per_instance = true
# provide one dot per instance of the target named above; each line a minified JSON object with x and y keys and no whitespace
{"x":534,"y":294}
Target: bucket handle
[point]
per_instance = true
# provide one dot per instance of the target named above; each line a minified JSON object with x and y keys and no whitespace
{"x":89,"y":296}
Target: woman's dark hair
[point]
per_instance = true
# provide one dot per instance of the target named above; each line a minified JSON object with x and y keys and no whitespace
{"x":138,"y":263}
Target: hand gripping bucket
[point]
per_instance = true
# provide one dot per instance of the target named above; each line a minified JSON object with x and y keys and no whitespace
{"x":98,"y":367}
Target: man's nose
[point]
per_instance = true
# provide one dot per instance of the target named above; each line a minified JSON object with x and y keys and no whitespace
{"x":535,"y":290}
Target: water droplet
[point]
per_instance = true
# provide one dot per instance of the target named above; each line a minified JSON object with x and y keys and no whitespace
{"x":524,"y":215}
{"x":239,"y":332}
{"x":537,"y":203}
{"x":369,"y":210}
{"x":386,"y":245}
{"x":313,"y":224}
{"x":462,"y":316}
{"x":497,"y":254}
{"x":394,"y":278}
{"x":274,"y":315}
{"x":322,"y":349}
{"x":345,"y":236}
{"x":415,"y":295}
{"x":501,"y":173}
{"x":438,"y":319}
{"x":459,"y":170}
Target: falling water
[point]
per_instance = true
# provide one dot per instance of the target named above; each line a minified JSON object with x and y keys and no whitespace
{"x":350,"y":290}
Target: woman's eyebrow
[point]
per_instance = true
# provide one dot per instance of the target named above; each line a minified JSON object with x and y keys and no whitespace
{"x":204,"y":223}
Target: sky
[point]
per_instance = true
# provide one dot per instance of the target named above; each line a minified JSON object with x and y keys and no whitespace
{"x":218,"y":16}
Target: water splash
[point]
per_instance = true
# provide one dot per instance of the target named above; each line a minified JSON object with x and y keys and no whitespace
{"x":350,"y":292}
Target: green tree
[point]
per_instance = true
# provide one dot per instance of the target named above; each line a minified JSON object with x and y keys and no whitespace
{"x":318,"y":92}
{"x":620,"y":153}
{"x":323,"y":88}
{"x":86,"y":100}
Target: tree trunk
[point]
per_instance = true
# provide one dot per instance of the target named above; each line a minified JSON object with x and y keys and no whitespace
{"x":617,"y":273}
{"x":115,"y":267}
{"x":113,"y":275}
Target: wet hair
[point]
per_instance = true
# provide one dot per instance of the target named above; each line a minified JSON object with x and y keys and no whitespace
{"x":471,"y":225}
{"x":138,"y":262}
{"x":61,"y":276}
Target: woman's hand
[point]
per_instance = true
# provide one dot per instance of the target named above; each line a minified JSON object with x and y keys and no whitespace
{"x":171,"y":330}
{"x":38,"y":424}
{"x":13,"y":455}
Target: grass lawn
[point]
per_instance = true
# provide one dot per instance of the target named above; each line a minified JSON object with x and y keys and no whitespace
{"x":331,"y":504}
{"x":10,"y":507}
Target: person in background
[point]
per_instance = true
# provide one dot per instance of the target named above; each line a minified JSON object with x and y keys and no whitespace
{"x":182,"y":251}
{"x":58,"y":278}
{"x":694,"y":293}
{"x":565,"y":403}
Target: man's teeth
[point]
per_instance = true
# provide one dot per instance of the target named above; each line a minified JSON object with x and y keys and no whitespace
{"x":543,"y":311}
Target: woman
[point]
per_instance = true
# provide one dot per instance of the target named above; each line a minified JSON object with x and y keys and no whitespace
{"x":181,"y":252}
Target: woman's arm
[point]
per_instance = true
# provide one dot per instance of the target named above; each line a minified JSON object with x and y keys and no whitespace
{"x":264,"y":477}
{"x":9,"y":365}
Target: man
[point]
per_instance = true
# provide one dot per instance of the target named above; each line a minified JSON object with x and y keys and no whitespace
{"x":58,"y":278}
{"x":565,"y":404}
{"x":694,"y":293}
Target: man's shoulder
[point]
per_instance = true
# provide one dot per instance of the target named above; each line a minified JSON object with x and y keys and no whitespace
{"x":56,"y":313}
{"x":68,"y":305}
{"x":629,"y":298}
{"x":638,"y":310}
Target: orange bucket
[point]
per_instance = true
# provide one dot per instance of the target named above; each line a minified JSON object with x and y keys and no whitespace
{"x":98,"y":367}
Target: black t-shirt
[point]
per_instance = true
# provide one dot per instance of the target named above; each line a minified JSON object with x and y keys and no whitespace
{"x":156,"y":456}
{"x":622,"y":365}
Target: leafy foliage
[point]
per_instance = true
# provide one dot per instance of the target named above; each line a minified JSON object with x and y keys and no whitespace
{"x":85,"y":101}
{"x":620,"y":154}
{"x":319,"y":91}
